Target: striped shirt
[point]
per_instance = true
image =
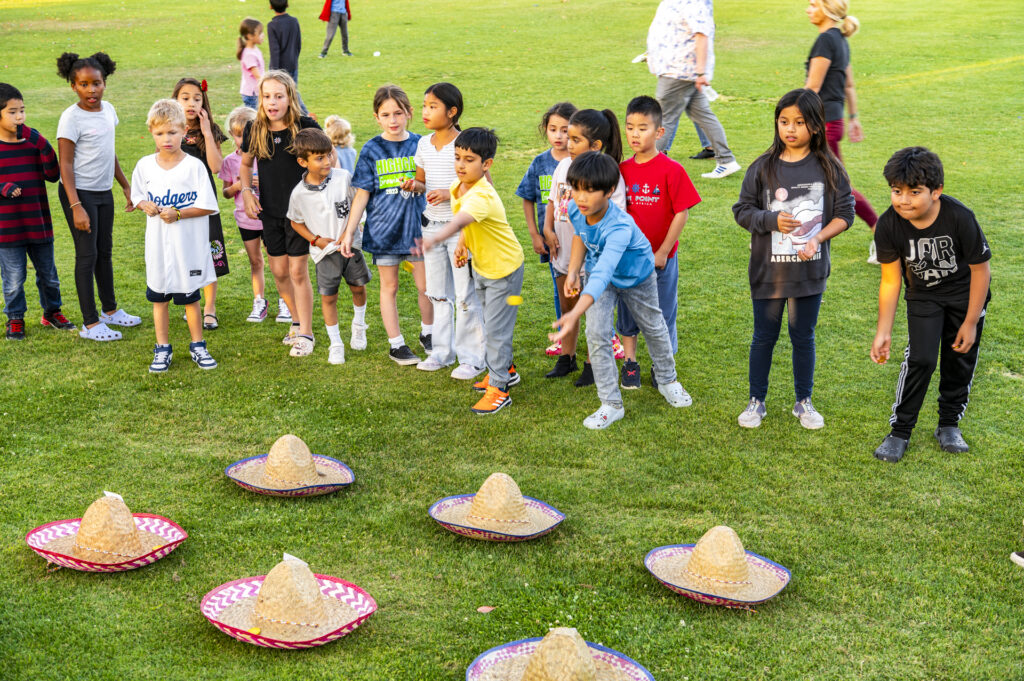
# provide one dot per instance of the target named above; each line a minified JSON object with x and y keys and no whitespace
{"x":438,"y":172}
{"x":27,"y":165}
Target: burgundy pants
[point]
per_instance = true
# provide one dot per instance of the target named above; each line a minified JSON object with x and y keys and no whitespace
{"x":834,"y":133}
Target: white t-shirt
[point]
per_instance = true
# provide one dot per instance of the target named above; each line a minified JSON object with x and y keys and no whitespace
{"x":178,"y":255}
{"x":93,"y":135}
{"x":324,"y":210}
{"x":559,"y":197}
{"x":439,"y":173}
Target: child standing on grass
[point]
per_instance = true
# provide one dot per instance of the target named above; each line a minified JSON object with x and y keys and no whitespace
{"x":458,"y":330}
{"x":248,"y":228}
{"x":88,"y":167}
{"x":174,"y":190}
{"x":343,"y":139}
{"x":251,"y":59}
{"x":589,"y":130}
{"x":620,"y":270}
{"x":934,"y":243}
{"x":659,"y":195}
{"x":337,"y":14}
{"x":318,"y":210}
{"x":385,"y":163}
{"x":536,"y":185}
{"x":285,"y":38}
{"x":203,"y":138}
{"x":795,"y":197}
{"x":268,"y":139}
{"x":497,"y":260}
{"x":27,"y":163}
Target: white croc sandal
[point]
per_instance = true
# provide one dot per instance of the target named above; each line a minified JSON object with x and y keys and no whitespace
{"x":302,"y":347}
{"x":120,"y":318}
{"x":100,"y":332}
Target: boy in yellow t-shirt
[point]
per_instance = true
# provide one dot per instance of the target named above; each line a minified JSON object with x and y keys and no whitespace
{"x":497,"y":259}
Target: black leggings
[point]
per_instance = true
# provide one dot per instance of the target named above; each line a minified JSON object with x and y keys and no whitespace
{"x":93,"y":250}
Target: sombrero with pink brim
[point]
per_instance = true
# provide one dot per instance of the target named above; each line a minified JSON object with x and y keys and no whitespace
{"x":290,"y":470}
{"x":497,"y":512}
{"x":108,"y":538}
{"x":290,"y":608}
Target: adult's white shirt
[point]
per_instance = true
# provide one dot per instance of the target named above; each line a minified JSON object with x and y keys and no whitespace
{"x":672,"y":39}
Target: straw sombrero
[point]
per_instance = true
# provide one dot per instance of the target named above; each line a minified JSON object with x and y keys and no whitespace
{"x":497,"y":512}
{"x":717,"y":570}
{"x":108,"y":538}
{"x":290,"y":470}
{"x":288,"y":608}
{"x":562,"y":655}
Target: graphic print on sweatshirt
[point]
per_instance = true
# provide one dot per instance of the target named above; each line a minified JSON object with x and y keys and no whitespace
{"x":563,"y":195}
{"x":932,"y":259}
{"x":806,"y":203}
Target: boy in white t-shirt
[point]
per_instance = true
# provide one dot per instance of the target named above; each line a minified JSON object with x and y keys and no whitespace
{"x":173,"y":189}
{"x":318,"y":209}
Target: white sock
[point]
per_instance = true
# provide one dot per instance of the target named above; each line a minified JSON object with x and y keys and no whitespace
{"x":333,"y":334}
{"x":426,"y":329}
{"x":396,"y":342}
{"x":359,"y":314}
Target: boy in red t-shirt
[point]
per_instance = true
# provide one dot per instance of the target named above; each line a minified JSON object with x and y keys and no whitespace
{"x":659,"y":195}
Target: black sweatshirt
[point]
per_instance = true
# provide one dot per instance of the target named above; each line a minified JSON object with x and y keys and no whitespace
{"x":285,"y":42}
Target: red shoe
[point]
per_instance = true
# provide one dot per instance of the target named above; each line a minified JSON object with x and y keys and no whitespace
{"x":15,"y":329}
{"x":554,"y":349}
{"x":56,"y":320}
{"x":493,"y":400}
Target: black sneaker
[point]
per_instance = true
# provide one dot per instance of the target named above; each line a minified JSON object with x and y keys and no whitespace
{"x":892,"y":449}
{"x":586,"y":377}
{"x":951,"y":439}
{"x":513,"y":377}
{"x":654,"y":381}
{"x":15,"y":329}
{"x":427,"y":342}
{"x":56,"y":320}
{"x":403,"y":355}
{"x":565,"y":365}
{"x":629,"y":375}
{"x":347,"y":53}
{"x":704,"y":153}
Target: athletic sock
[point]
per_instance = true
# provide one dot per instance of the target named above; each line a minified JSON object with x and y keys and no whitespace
{"x":359,"y":314}
{"x":426,"y":329}
{"x":396,"y":342}
{"x":333,"y":334}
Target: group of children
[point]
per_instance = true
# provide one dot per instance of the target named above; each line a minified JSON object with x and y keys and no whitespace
{"x":608,"y":229}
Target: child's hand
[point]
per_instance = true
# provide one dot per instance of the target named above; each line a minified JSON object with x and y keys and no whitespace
{"x":809,"y":249}
{"x":659,"y":260}
{"x":10,"y":190}
{"x":169,"y":215}
{"x":461,"y":255}
{"x":965,"y":337}
{"x":880,"y":348}
{"x":572,"y":285}
{"x":436,"y":196}
{"x":252,"y":205}
{"x":345,"y":244}
{"x":204,"y":123}
{"x":421,"y":246}
{"x":409,"y":185}
{"x":130,"y":205}
{"x":148,"y":207}
{"x":539,"y":247}
{"x":552,"y":241}
{"x":81,"y":219}
{"x":787,"y":223}
{"x":856,"y":132}
{"x":563,"y":325}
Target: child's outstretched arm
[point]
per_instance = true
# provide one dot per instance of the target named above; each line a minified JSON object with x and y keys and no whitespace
{"x":567,"y":322}
{"x":981,"y":277}
{"x":888,"y":299}
{"x":344,"y":241}
{"x":456,"y":224}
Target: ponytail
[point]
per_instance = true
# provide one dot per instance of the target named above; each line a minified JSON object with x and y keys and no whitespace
{"x":248,"y":27}
{"x":850,"y":26}
{"x":836,"y":10}
{"x":613,"y":147}
{"x":600,"y":126}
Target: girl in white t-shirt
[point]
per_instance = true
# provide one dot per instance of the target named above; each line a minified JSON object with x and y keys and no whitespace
{"x":88,"y":167}
{"x":251,"y":60}
{"x":449,"y":287}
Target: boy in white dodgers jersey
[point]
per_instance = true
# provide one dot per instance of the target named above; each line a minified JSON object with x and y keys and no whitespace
{"x":172,"y":188}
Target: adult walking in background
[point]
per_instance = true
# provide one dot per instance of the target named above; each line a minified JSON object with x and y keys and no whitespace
{"x":830,"y":74}
{"x":680,"y":52}
{"x":337,"y":14}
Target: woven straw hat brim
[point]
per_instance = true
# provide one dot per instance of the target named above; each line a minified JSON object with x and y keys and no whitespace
{"x":452,"y":513}
{"x":230,"y":608}
{"x":767,"y":578}
{"x":54,"y":541}
{"x":508,"y":662}
{"x":248,"y":473}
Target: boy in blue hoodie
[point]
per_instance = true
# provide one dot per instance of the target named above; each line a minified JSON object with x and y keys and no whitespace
{"x":620,"y":266}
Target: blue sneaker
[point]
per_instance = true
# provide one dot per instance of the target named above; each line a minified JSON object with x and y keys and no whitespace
{"x":201,"y":356}
{"x":161,"y":359}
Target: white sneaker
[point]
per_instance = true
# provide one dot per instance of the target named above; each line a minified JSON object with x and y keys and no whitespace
{"x":675,"y":395}
{"x":120,"y":318}
{"x":872,"y":254}
{"x":284,"y":315}
{"x":753,"y":414}
{"x":466,"y":372}
{"x":604,"y":417}
{"x":358,"y":340}
{"x":259,"y":310}
{"x":723,"y":170}
{"x":808,"y":415}
{"x":336,"y":353}
{"x":429,"y":364}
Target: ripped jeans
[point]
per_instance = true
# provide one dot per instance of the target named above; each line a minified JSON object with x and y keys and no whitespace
{"x":458,"y":319}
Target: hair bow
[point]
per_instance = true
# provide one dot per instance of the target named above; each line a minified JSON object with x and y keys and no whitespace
{"x":202,"y":85}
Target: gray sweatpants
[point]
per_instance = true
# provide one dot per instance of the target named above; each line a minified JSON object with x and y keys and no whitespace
{"x":500,"y":321}
{"x":338,"y":19}
{"x":677,"y":96}
{"x":642,"y":301}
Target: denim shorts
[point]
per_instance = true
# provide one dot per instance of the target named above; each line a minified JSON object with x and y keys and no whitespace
{"x":386,"y":260}
{"x":250,"y":101}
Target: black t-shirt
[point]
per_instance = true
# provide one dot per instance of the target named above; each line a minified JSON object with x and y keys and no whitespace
{"x":190,"y":145}
{"x":936,"y":260}
{"x":281,"y":172}
{"x":832,"y":46}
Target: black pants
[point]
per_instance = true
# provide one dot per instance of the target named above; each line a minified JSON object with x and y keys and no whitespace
{"x":93,"y":251}
{"x":931,"y":326}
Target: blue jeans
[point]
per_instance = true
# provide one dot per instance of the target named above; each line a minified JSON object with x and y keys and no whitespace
{"x":302,"y":105}
{"x":13,"y":271}
{"x":251,"y":101}
{"x":668,"y":301}
{"x":803,"y":317}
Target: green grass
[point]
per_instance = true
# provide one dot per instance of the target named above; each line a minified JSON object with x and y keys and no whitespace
{"x":899,"y":572}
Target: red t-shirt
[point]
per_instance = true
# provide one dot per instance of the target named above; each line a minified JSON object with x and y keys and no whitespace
{"x":655,"y":192}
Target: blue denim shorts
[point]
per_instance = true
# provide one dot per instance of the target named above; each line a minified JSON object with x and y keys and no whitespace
{"x":386,"y":260}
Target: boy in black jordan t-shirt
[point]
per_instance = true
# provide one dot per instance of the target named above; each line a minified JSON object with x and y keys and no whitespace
{"x":935,"y":244}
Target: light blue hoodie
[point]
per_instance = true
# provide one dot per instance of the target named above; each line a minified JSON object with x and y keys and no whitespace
{"x":618,"y":253}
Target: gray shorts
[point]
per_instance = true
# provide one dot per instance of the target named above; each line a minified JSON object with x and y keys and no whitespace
{"x":335,"y":266}
{"x":386,"y":260}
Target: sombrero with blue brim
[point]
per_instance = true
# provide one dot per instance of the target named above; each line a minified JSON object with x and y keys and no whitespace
{"x":290,"y":470}
{"x":497,"y":512}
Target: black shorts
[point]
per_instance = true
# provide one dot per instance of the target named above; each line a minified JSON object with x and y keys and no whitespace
{"x":280,"y":238}
{"x":250,"y":234}
{"x":178,"y":298}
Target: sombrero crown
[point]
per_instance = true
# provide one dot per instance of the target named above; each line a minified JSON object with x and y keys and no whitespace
{"x":290,"y":464}
{"x":719,"y":562}
{"x":289,"y":602}
{"x":562,"y":655}
{"x":498,"y":505}
{"x":108,"y":532}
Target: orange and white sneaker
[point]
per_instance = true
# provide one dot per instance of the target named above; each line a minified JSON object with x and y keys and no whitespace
{"x":513,"y":379}
{"x":492,"y":401}
{"x":620,"y":352}
{"x":554,"y":349}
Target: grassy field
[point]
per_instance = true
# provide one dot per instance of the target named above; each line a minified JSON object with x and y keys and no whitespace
{"x":899,"y":572}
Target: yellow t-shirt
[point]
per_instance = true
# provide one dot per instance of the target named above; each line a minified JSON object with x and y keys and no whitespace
{"x":496,"y":251}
